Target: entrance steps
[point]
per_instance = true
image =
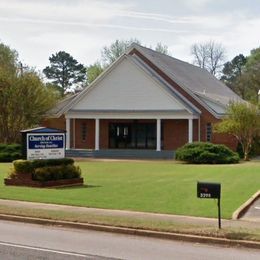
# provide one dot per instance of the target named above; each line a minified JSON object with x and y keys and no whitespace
{"x":121,"y":154}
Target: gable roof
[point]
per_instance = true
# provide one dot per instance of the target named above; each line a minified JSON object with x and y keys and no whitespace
{"x":194,"y":80}
{"x":197,"y":82}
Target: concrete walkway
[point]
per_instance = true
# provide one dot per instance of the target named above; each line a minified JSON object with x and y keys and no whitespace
{"x":198,"y":221}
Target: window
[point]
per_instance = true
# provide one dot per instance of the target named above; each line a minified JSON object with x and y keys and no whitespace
{"x":83,"y":131}
{"x":208,"y":132}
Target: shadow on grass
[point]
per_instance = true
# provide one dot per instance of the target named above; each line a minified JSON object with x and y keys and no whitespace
{"x":79,"y":187}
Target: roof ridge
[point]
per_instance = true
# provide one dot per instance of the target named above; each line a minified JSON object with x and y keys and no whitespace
{"x":169,"y":56}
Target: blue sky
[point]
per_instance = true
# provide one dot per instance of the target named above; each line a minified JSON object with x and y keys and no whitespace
{"x":38,"y":28}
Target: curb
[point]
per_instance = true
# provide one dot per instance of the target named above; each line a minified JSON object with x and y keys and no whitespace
{"x":133,"y":231}
{"x":244,"y":207}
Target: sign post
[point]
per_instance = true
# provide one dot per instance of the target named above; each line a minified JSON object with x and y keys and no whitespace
{"x":209,"y":190}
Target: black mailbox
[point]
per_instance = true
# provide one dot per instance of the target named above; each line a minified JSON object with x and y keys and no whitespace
{"x":208,"y":190}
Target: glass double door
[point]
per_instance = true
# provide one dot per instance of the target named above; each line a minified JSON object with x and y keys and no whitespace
{"x":132,"y":135}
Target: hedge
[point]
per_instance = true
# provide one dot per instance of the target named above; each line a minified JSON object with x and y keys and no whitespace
{"x":25,"y":166}
{"x":47,"y":170}
{"x":10,"y":152}
{"x":206,"y":153}
{"x":56,"y":173}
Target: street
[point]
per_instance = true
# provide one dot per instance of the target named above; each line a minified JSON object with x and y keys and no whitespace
{"x":29,"y":241}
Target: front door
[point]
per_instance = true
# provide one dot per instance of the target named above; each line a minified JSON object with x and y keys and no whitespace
{"x":119,"y":135}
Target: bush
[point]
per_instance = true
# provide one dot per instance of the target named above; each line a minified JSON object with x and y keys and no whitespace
{"x":23,"y":166}
{"x":57,"y":173}
{"x":206,"y":153}
{"x":5,"y":157}
{"x":10,"y":152}
{"x":46,"y":170}
{"x":52,"y":162}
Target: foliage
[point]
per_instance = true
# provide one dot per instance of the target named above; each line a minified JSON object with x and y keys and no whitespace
{"x":111,"y":53}
{"x":251,"y":76}
{"x":162,"y":48}
{"x":57,"y":173}
{"x":206,"y":153}
{"x":23,"y":166}
{"x":243,"y":122}
{"x":10,"y":152}
{"x":93,"y":71}
{"x":209,"y":55}
{"x":55,"y":89}
{"x":49,"y":169}
{"x":65,"y":71}
{"x":52,"y":162}
{"x":242,"y":75}
{"x":232,"y":72}
{"x":24,"y":99}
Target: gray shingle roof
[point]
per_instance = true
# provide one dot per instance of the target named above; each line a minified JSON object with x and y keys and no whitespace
{"x":192,"y":78}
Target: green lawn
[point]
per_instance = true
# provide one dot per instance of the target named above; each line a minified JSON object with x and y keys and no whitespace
{"x":155,"y":186}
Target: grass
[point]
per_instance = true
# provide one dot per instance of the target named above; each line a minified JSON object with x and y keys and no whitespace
{"x":239,"y":233}
{"x":154,"y":186}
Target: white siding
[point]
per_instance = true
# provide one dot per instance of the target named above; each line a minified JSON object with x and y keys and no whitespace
{"x":127,"y":87}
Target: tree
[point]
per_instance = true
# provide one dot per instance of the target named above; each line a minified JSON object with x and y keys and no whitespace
{"x":232,"y":73}
{"x":24,"y":99}
{"x":209,"y":56}
{"x":93,"y":71}
{"x":162,"y":48}
{"x":110,"y":53}
{"x":65,"y":71}
{"x":243,"y":122}
{"x":251,"y":75}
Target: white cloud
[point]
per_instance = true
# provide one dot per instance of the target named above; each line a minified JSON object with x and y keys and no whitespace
{"x":37,"y":28}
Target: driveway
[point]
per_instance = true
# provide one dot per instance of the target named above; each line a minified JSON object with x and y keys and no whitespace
{"x":253,"y":213}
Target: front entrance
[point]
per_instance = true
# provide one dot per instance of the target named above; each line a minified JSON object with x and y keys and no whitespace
{"x":132,"y":135}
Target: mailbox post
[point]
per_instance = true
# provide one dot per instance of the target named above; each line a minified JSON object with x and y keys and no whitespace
{"x":209,"y":190}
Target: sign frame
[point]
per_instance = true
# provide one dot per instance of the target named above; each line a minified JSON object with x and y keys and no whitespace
{"x":43,"y":143}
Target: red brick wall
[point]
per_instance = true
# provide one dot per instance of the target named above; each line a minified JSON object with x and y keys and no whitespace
{"x":89,"y":143}
{"x":176,"y":133}
{"x":104,"y":135}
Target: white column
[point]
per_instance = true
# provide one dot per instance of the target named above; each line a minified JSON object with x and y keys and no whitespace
{"x":97,"y":134}
{"x":67,"y":133}
{"x":190,"y":129}
{"x":158,"y":135}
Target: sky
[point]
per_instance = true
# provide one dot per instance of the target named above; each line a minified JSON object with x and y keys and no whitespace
{"x":39,"y":28}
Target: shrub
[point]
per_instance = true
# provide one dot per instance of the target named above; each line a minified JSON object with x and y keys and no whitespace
{"x":57,"y":173}
{"x":10,"y":152}
{"x":23,"y":166}
{"x":5,"y":157}
{"x":206,"y":153}
{"x":52,"y":162}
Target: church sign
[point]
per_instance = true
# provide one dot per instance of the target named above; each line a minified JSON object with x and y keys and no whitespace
{"x":43,"y":143}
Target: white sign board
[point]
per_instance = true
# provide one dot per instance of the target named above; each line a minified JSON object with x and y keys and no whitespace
{"x":45,"y":146}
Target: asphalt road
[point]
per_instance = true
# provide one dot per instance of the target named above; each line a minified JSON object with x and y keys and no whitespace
{"x":28,"y":241}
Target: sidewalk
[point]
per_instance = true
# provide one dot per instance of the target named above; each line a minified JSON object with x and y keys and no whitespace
{"x":198,"y":221}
